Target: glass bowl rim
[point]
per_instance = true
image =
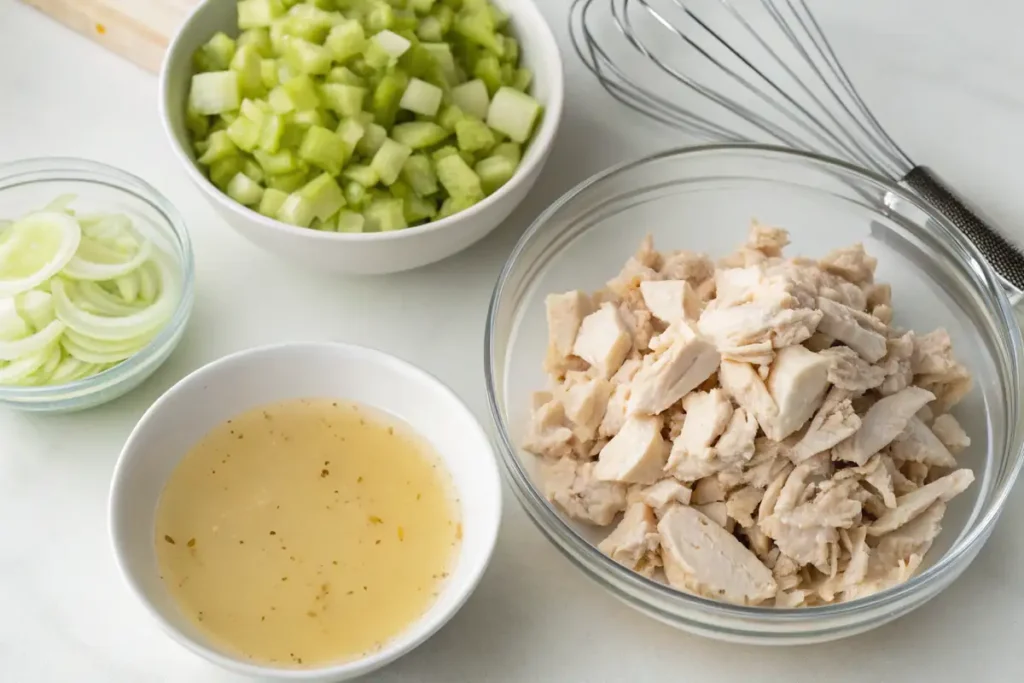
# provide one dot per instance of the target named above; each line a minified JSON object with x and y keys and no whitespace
{"x":75,"y":169}
{"x":585,"y":555}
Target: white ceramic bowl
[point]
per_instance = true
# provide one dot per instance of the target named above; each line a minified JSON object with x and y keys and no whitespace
{"x":244,"y":380}
{"x":370,"y":253}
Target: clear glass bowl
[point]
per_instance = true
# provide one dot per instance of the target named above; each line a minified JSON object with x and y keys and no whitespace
{"x":703,"y":199}
{"x":29,"y":185}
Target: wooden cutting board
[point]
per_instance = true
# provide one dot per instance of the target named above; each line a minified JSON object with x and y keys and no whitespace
{"x":138,"y":30}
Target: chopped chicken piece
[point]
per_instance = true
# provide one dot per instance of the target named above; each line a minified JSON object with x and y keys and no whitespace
{"x":819,"y":341}
{"x":918,"y":443}
{"x":737,"y":441}
{"x":915,"y":472}
{"x":883,"y":312}
{"x":708,"y":490}
{"x":548,"y":433}
{"x":847,"y":370}
{"x":834,"y":422}
{"x":797,"y":384}
{"x":883,"y":578}
{"x":913,"y":538}
{"x":717,"y":513}
{"x":636,"y":454}
{"x":914,"y":503}
{"x":846,"y":325}
{"x":585,"y":403}
{"x":851,"y":263}
{"x":933,"y":353}
{"x":707,"y":416}
{"x":603,"y":340}
{"x":565,"y":314}
{"x":950,"y":433}
{"x":703,"y":558}
{"x":883,"y":422}
{"x":860,"y":557}
{"x":772,"y":316}
{"x":766,"y":464}
{"x":663,"y":494}
{"x":677,"y":370}
{"x":741,"y":505}
{"x":572,"y":486}
{"x":632,"y":274}
{"x":634,"y":542}
{"x":758,"y":353}
{"x":766,"y":239}
{"x":949,"y":387}
{"x":897,"y":364}
{"x":638,"y":322}
{"x":671,"y":300}
{"x":687,"y":265}
{"x":878,"y":294}
{"x":746,"y":388}
{"x":615,"y":412}
{"x":774,"y":490}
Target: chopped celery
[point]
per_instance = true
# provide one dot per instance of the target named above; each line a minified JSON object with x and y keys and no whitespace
{"x":216,"y":54}
{"x":301,"y":92}
{"x":306,"y":57}
{"x":349,"y":221}
{"x":488,"y":69}
{"x":346,"y":40}
{"x":513,"y":113}
{"x":458,"y":178}
{"x":430,"y":29}
{"x":443,"y":58}
{"x":319,"y":198}
{"x":220,"y":146}
{"x":386,"y":214}
{"x":364,"y":175}
{"x":391,"y":43}
{"x":254,"y":111}
{"x":389,"y":159}
{"x":252,"y":169}
{"x":510,"y":150}
{"x":372,"y":139}
{"x":419,"y":174}
{"x":421,"y":6}
{"x":417,"y":209}
{"x":379,"y":17}
{"x":445,"y":151}
{"x":223,"y":170}
{"x":288,"y":182}
{"x":214,"y":92}
{"x":324,"y":149}
{"x":346,"y":100}
{"x":310,"y":117}
{"x":259,"y":39}
{"x":247,"y":64}
{"x":197,"y":124}
{"x":454,"y":205}
{"x":418,"y":134}
{"x":478,"y":27}
{"x":279,"y":163}
{"x":522,"y":80}
{"x":308,"y":22}
{"x":244,"y":133}
{"x":258,"y":13}
{"x":421,"y":97}
{"x":473,"y":135}
{"x":449,"y":116}
{"x":387,"y":96}
{"x":510,"y":50}
{"x":355,"y":194}
{"x":272,"y":132}
{"x":343,"y":74}
{"x":472,"y":97}
{"x":268,"y":73}
{"x":494,"y":171}
{"x":351,"y":132}
{"x":445,"y":17}
{"x":245,"y":190}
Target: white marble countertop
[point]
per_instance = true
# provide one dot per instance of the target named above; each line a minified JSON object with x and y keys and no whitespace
{"x":944,"y":79}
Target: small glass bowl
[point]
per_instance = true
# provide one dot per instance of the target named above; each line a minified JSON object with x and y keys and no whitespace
{"x":703,"y":199}
{"x":30,"y":184}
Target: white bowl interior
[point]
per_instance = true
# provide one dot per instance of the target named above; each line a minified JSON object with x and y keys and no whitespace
{"x":249,"y":379}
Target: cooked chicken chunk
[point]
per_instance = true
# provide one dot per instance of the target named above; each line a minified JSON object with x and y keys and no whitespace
{"x":584,"y":404}
{"x":918,"y":443}
{"x":634,"y":543}
{"x":797,"y":383}
{"x":684,"y":361}
{"x":636,"y":455}
{"x":572,"y":486}
{"x":660,"y":496}
{"x":603,"y":340}
{"x":834,"y":422}
{"x":950,"y":433}
{"x":845,"y":324}
{"x":847,"y":370}
{"x":914,"y":503}
{"x":703,"y":558}
{"x":671,"y":300}
{"x":884,"y":421}
{"x":565,"y":313}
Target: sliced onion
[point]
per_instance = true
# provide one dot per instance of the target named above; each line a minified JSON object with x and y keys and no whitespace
{"x":12,"y":325}
{"x":98,"y":346}
{"x":80,"y":269}
{"x":92,"y":298}
{"x":149,"y":282}
{"x":126,"y":327}
{"x":16,"y":371}
{"x":44,"y":338}
{"x":36,"y":307}
{"x":22,"y":246}
{"x":71,"y":369}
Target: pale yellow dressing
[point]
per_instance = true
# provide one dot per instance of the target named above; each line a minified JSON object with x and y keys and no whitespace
{"x":306,"y":532}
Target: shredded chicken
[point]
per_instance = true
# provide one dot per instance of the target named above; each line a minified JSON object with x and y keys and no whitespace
{"x":756,"y":432}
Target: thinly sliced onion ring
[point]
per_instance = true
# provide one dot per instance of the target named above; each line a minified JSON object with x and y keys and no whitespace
{"x":70,"y":238}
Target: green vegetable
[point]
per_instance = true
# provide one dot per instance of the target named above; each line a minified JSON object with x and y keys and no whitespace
{"x":358,"y":115}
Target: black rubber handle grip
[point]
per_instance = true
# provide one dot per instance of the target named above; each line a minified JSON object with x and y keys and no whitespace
{"x":1004,"y":258}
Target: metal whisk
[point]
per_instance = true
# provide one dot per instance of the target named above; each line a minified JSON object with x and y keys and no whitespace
{"x":760,"y":71}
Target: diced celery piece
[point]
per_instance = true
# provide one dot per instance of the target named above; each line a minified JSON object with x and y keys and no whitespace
{"x":405,"y":22}
{"x":258,"y":38}
{"x":296,"y":211}
{"x":400,"y":190}
{"x":311,"y":117}
{"x":247,"y":64}
{"x":508,"y":74}
{"x":454,"y":205}
{"x":252,"y":169}
{"x":244,"y":133}
{"x":389,"y":159}
{"x":278,"y":163}
{"x":215,"y":54}
{"x":511,"y":150}
{"x":199,"y":146}
{"x":418,"y":209}
{"x":288,"y":182}
{"x":197,"y":124}
{"x":473,"y":135}
{"x":421,"y":97}
{"x":494,"y":171}
{"x":419,"y":174}
{"x":302,"y":92}
{"x":351,"y":132}
{"x":456,"y":176}
{"x":421,"y":6}
{"x":510,"y":49}
{"x":258,"y":13}
{"x":472,"y":97}
{"x":228,"y":117}
{"x":513,"y":113}
{"x":430,"y":30}
{"x":272,"y":132}
{"x":418,"y":134}
{"x":219,"y":146}
{"x":223,"y":170}
{"x":308,"y":22}
{"x":498,"y":15}
{"x":245,"y":190}
{"x":324,"y":195}
{"x":386,"y":214}
{"x":445,"y":151}
{"x":345,"y":75}
{"x":364,"y":175}
{"x":355,"y":194}
{"x":445,"y":16}
{"x":255,"y":111}
{"x":488,"y":69}
{"x":346,"y":40}
{"x":478,"y":27}
{"x":445,"y":61}
{"x":372,"y":139}
{"x":324,"y":226}
{"x":449,"y":116}
{"x":392,"y":43}
{"x":387,"y":96}
{"x":268,"y":73}
{"x":522,"y":80}
{"x":379,"y":16}
{"x":324,"y":149}
{"x":306,"y":57}
{"x":349,"y":221}
{"x":346,"y":100}
{"x":214,"y":92}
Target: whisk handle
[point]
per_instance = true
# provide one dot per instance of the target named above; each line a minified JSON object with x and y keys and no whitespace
{"x":1004,"y":258}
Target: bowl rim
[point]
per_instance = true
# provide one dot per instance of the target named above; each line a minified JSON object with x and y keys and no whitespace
{"x":533,"y":157}
{"x":425,"y":629}
{"x":599,"y":567}
{"x":57,"y":169}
